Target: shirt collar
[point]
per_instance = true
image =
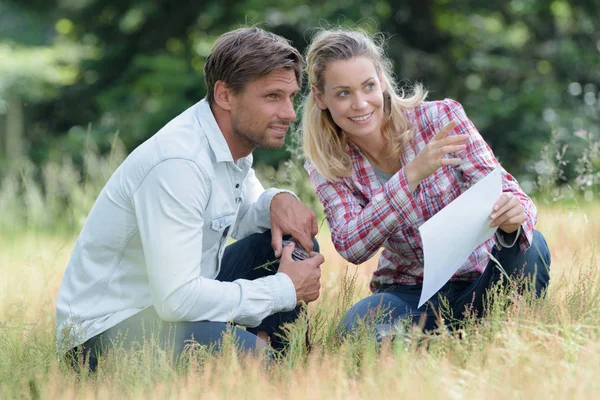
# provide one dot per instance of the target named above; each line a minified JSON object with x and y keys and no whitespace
{"x":213,"y":133}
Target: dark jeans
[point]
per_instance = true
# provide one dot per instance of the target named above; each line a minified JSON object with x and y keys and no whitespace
{"x":393,"y":303}
{"x":240,"y":261}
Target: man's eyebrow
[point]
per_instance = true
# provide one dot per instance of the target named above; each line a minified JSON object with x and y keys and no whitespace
{"x":348,"y":87}
{"x":267,"y":90}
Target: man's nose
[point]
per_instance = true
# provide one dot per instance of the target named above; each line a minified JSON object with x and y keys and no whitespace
{"x":287,"y":110}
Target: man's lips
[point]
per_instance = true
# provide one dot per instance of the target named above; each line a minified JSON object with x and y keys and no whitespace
{"x":279,"y":128}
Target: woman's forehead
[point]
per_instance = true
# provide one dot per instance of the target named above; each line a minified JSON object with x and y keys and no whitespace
{"x":354,"y":71}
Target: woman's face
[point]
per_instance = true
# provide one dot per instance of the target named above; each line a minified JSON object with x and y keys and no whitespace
{"x":354,"y":96}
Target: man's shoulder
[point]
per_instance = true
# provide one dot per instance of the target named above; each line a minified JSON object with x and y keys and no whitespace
{"x":183,"y":138}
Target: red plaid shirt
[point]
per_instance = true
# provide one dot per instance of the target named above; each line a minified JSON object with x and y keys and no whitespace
{"x":365,"y":215}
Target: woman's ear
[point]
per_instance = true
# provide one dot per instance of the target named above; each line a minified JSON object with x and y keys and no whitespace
{"x":318,"y":97}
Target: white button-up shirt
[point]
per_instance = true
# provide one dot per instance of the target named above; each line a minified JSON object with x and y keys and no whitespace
{"x":156,"y":235}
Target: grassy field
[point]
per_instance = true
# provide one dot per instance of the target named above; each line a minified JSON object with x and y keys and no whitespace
{"x":531,"y":349}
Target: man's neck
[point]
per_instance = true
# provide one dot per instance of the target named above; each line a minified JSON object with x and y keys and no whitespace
{"x":237,"y":145}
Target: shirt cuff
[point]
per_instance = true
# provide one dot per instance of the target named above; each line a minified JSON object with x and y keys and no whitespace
{"x":508,"y":240}
{"x":273,"y":192}
{"x":264,"y":211}
{"x":284,"y":292}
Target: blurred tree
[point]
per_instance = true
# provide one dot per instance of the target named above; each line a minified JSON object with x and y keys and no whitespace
{"x":520,"y":68}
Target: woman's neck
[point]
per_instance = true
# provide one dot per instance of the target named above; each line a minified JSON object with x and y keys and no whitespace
{"x":373,"y":146}
{"x":376,"y":149}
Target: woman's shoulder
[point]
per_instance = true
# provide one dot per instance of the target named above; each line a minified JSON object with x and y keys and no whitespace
{"x":434,"y":110}
{"x":429,"y":116}
{"x":357,"y":168}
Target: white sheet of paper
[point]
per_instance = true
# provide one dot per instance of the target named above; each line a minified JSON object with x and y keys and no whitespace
{"x":451,"y":235}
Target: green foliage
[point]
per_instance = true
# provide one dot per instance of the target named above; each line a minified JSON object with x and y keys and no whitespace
{"x":522,"y":69}
{"x":56,"y":196}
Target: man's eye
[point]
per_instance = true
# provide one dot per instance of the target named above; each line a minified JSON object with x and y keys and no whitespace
{"x":272,"y":96}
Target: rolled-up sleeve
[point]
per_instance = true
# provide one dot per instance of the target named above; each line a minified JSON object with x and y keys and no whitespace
{"x":479,"y":161}
{"x":169,"y":207}
{"x":358,"y":230}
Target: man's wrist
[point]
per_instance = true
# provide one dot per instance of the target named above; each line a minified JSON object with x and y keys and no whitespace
{"x":280,"y":198}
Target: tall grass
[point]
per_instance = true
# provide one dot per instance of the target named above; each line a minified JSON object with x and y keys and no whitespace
{"x":523,"y":348}
{"x":57,"y":196}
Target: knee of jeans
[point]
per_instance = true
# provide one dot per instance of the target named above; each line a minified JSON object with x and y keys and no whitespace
{"x":377,"y":308}
{"x":316,"y":246}
{"x":541,"y":252}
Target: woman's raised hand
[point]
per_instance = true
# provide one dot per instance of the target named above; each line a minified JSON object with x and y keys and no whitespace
{"x":432,"y":156}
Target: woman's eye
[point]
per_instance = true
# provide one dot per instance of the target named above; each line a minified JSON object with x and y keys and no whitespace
{"x":370,"y":86}
{"x":343,"y":93}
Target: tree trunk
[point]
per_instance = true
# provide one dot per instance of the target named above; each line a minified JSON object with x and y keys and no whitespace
{"x":13,"y":143}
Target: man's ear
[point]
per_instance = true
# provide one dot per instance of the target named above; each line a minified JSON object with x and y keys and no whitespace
{"x":318,"y":97}
{"x":223,"y":95}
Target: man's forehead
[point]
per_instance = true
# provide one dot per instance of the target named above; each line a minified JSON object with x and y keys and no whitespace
{"x":281,"y":76}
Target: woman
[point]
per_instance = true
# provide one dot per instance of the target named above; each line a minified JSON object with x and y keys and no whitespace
{"x":383,"y":163}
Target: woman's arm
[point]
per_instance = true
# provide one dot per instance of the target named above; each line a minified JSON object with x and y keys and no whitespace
{"x":479,"y":160}
{"x":359,"y":227}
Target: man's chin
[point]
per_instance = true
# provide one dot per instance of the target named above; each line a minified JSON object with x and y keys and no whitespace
{"x":273,"y":144}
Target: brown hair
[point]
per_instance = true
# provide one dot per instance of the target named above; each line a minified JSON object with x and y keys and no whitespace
{"x":246,"y":54}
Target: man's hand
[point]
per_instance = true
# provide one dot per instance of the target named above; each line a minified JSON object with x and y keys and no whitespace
{"x":290,"y":216}
{"x":508,"y":213}
{"x":305,"y":275}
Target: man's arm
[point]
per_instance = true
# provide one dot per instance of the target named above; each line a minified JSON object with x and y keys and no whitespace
{"x":253,"y":214}
{"x":277,"y":209}
{"x":169,"y":206}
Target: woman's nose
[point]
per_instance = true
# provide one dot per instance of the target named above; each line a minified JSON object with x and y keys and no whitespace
{"x":359,"y":103}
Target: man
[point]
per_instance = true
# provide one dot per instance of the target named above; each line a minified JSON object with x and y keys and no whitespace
{"x":152,"y":256}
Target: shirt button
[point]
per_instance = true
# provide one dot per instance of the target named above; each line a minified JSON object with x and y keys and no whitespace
{"x":220,"y":226}
{"x":237,"y":185}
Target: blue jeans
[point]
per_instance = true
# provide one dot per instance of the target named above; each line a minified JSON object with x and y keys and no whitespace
{"x":240,"y":261}
{"x":396,"y":302}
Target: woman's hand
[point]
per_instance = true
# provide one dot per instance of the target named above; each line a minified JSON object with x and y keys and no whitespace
{"x":508,"y":213}
{"x":432,"y":156}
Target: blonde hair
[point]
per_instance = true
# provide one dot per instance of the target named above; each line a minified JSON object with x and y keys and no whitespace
{"x":324,"y":143}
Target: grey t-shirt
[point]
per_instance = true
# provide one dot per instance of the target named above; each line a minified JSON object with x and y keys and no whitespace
{"x":382,"y":175}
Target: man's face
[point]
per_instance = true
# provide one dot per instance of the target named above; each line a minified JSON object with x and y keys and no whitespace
{"x":261,"y":114}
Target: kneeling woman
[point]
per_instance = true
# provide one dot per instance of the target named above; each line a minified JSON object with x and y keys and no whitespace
{"x":383,"y":163}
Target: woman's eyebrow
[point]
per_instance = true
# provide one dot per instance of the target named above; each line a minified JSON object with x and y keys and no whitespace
{"x":347,"y":87}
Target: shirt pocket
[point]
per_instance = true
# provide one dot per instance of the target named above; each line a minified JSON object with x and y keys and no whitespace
{"x":222,"y":222}
{"x":438,"y":191}
{"x":438,"y":185}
